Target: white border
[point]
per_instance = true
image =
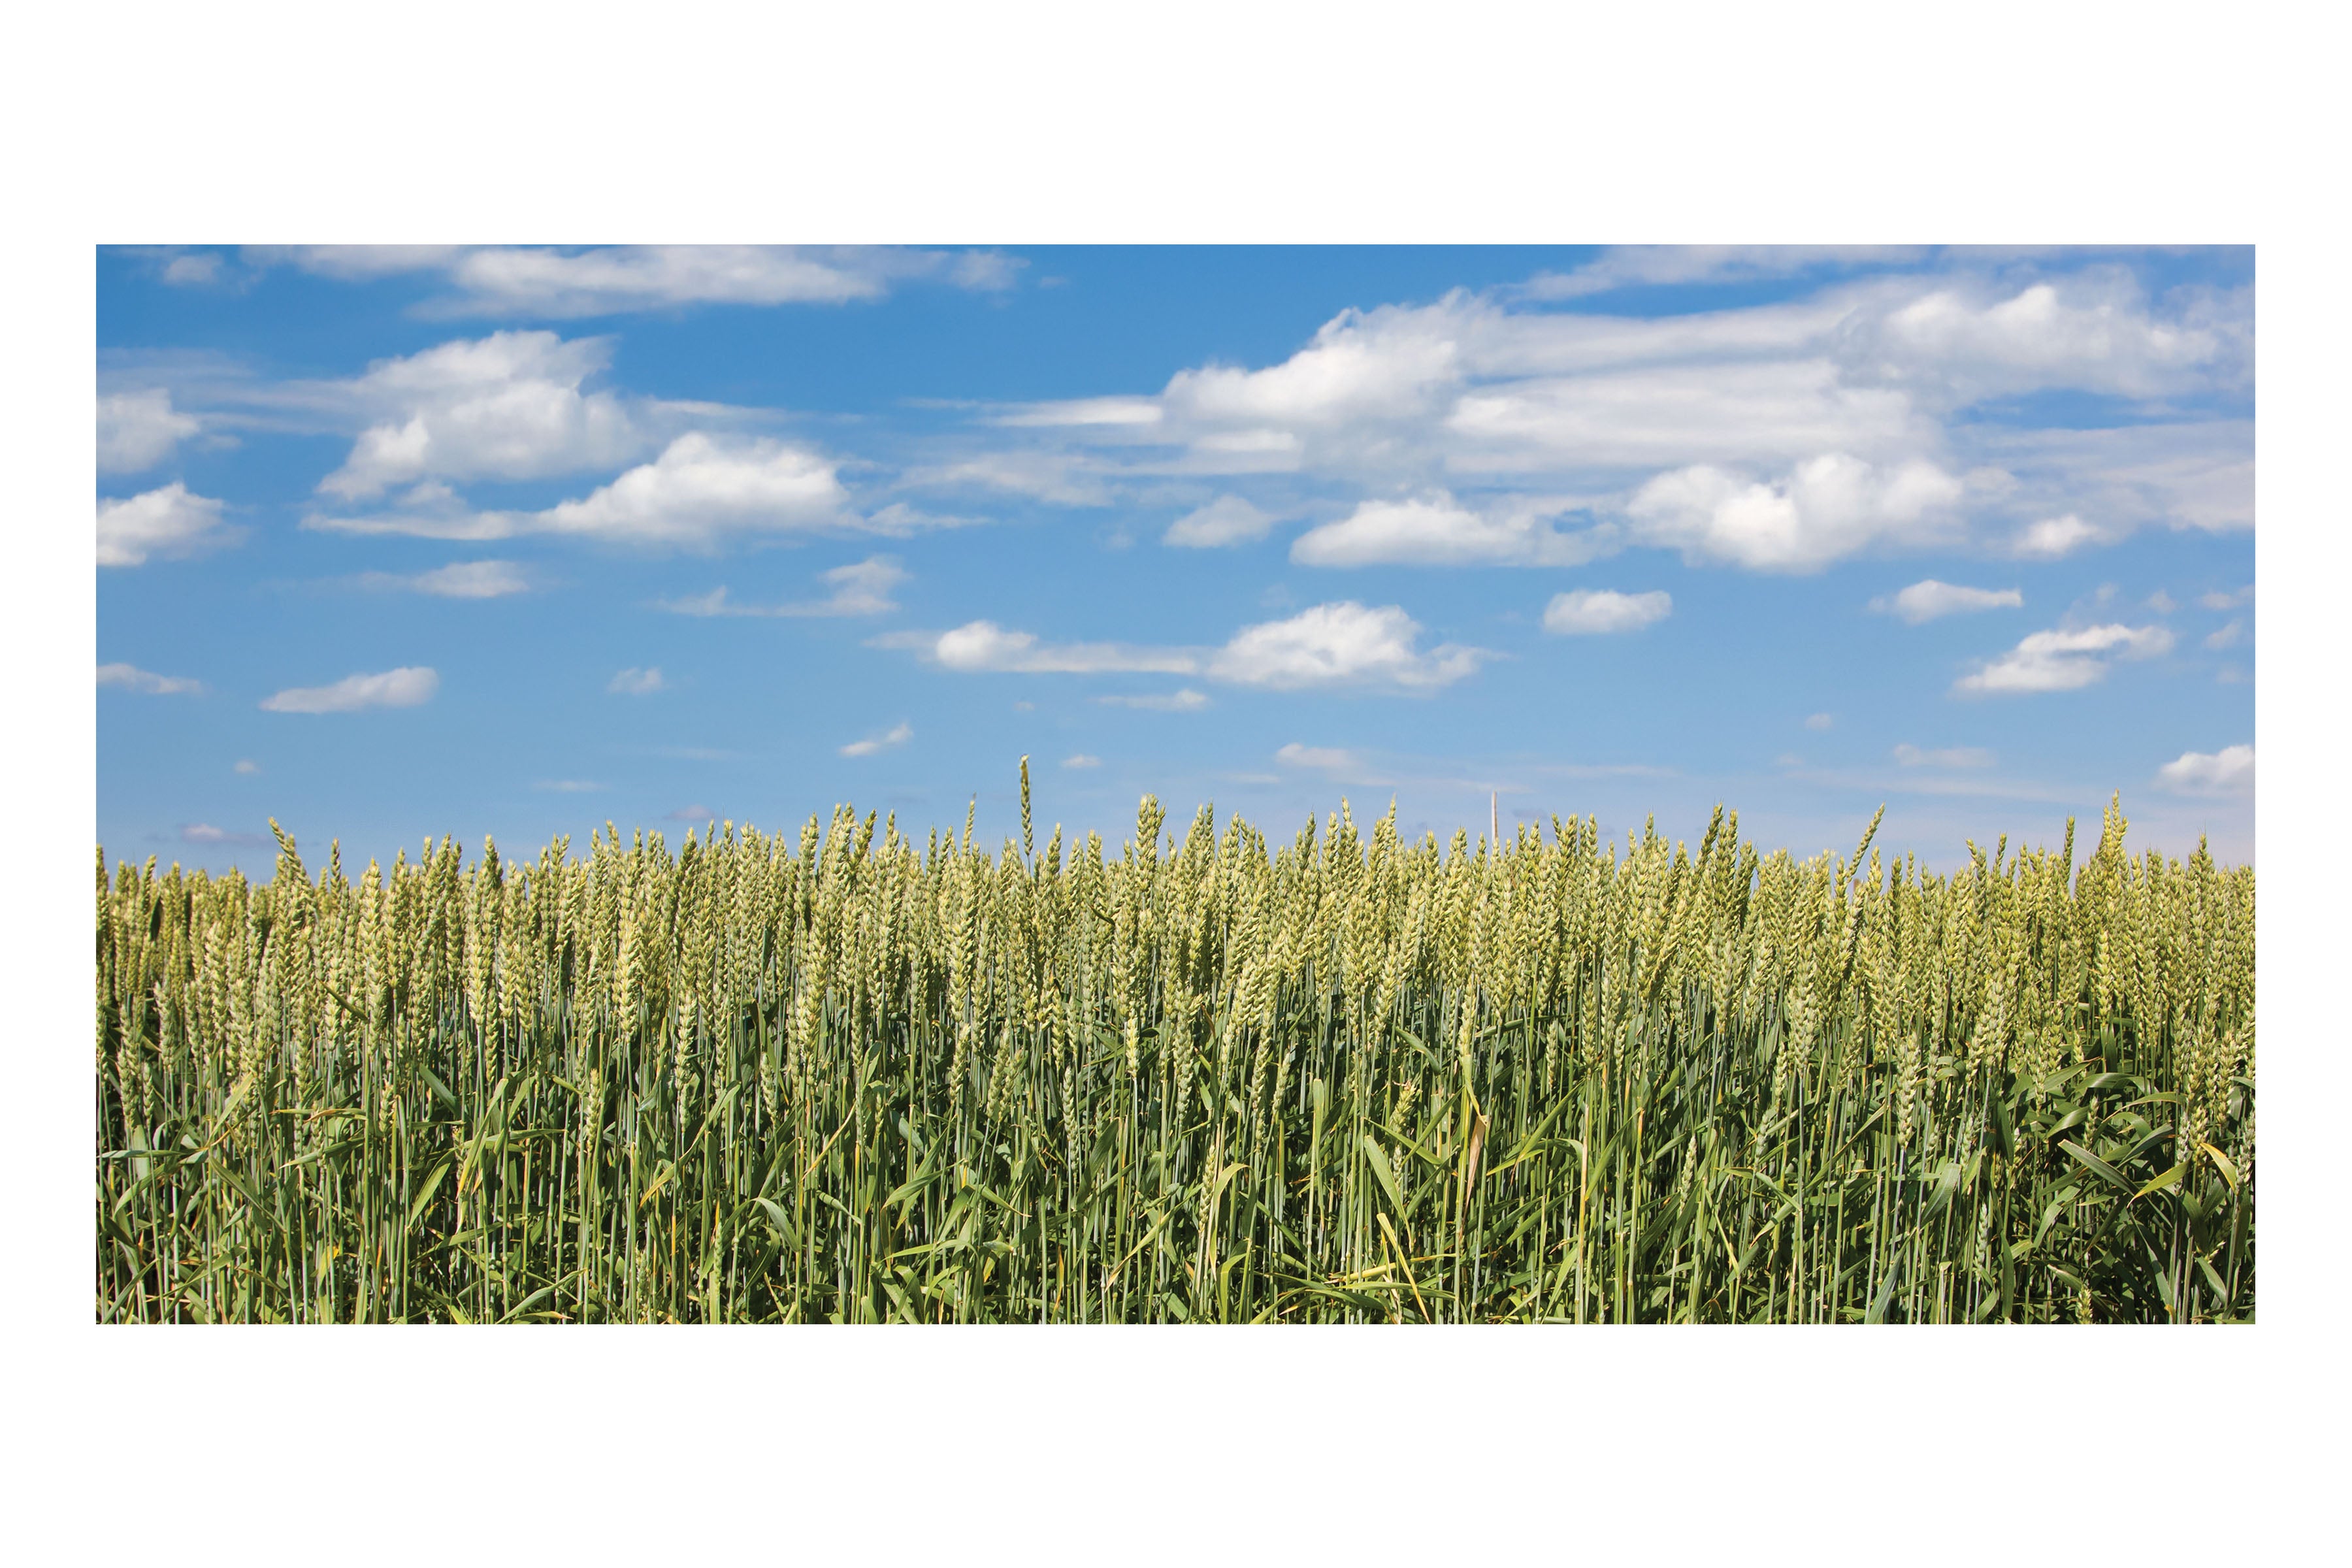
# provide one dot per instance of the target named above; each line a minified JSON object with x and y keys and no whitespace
{"x":1992,"y":122}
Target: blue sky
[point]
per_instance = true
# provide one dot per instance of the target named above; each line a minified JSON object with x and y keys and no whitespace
{"x":393,"y":543}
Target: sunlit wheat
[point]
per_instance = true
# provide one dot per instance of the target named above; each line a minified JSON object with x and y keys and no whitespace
{"x":861,"y":1078}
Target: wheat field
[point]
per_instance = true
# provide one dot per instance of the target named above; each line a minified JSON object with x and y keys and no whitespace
{"x":1203,"y":1077}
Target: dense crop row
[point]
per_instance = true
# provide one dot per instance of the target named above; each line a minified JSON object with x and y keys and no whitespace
{"x":1349,"y":1077}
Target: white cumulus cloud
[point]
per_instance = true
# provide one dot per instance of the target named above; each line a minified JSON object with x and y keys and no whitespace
{"x":2065,"y":660}
{"x":1931,"y":600}
{"x":2055,"y":536}
{"x":1824,"y":509}
{"x":166,"y":522}
{"x":137,"y":430}
{"x":2228,"y":772}
{"x":506,"y":407}
{"x":406,"y":687}
{"x":130,"y":678}
{"x":1777,"y":437}
{"x":2094,"y":331}
{"x":1590,"y":612}
{"x":700,"y":492}
{"x":1385,"y":365}
{"x":1345,"y":644}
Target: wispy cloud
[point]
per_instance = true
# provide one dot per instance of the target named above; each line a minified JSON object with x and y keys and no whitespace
{"x":568,"y":787}
{"x":247,"y":766}
{"x":1228,"y":519}
{"x":1600,"y":612}
{"x":860,"y":588}
{"x":1653,"y":265}
{"x":1082,"y":761}
{"x":458,"y":580}
{"x":688,"y":813}
{"x":1350,"y":766}
{"x":130,"y":678}
{"x":714,"y":602}
{"x":2230,"y":635}
{"x":2228,"y":772}
{"x":1600,"y":771}
{"x":1819,"y":721}
{"x":406,"y":687}
{"x":552,"y":282}
{"x":897,"y":735}
{"x":979,"y":646}
{"x":1931,"y":600}
{"x":1911,"y":756}
{"x":1435,"y":530}
{"x":193,"y":270}
{"x":1183,"y":700}
{"x":2065,"y":660}
{"x":1057,"y":478}
{"x":1968,"y":783}
{"x":635,"y":682}
{"x":205,"y":833}
{"x":2229,"y":600}
{"x":1323,"y":759}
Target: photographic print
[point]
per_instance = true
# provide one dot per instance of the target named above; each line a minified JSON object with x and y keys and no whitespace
{"x":985,"y":784}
